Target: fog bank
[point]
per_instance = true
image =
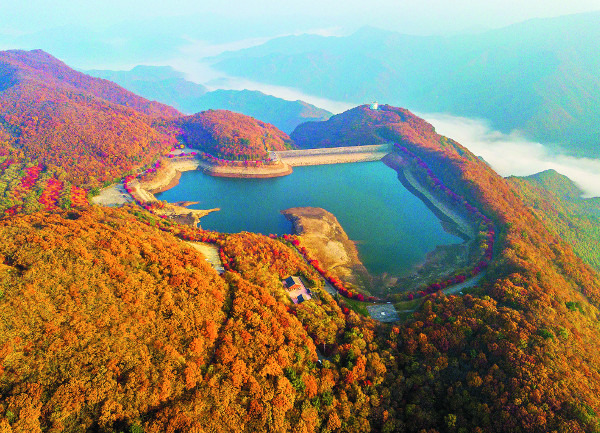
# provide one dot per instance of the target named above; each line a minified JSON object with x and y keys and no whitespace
{"x":512,"y":154}
{"x":202,"y":72}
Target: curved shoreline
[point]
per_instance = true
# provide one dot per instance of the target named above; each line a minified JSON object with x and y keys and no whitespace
{"x":462,"y":227}
{"x":169,"y":175}
{"x":172,"y":169}
{"x":323,"y":235}
{"x":264,"y":172}
{"x":172,"y":183}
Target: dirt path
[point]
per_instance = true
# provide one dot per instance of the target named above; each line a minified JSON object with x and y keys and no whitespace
{"x":211,"y":252}
{"x":113,"y":195}
{"x":457,"y":288}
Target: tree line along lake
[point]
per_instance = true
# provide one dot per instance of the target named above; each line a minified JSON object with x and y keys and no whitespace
{"x":393,"y":229}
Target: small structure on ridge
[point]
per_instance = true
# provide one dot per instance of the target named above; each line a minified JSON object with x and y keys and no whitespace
{"x":296,"y":289}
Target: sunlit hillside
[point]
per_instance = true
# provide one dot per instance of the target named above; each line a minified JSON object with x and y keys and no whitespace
{"x":89,"y":129}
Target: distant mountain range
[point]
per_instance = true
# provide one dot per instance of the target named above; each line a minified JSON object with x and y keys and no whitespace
{"x":285,"y":115}
{"x":540,"y":77}
{"x":158,"y":83}
{"x":165,"y":84}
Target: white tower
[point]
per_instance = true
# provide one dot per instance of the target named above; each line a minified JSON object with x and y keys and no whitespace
{"x":374,"y":106}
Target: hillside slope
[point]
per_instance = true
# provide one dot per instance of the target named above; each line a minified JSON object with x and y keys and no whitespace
{"x":87,"y":128}
{"x":557,"y":202}
{"x":112,"y":323}
{"x":233,"y":136}
{"x":533,"y":320}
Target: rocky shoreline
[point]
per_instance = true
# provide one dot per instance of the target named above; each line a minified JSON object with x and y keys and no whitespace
{"x":169,"y":174}
{"x":172,"y":184}
{"x":263,"y":172}
{"x":444,"y":258}
{"x":461,"y":225}
{"x":324,"y":237}
{"x":143,"y":191}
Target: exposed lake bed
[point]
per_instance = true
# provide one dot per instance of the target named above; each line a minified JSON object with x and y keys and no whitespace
{"x":325,"y":239}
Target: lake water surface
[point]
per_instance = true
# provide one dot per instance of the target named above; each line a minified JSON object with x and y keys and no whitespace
{"x":393,"y":229}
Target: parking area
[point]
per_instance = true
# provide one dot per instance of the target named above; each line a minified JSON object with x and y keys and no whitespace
{"x":383,"y":312}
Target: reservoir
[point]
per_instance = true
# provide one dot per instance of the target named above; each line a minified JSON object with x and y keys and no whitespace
{"x":393,"y":229}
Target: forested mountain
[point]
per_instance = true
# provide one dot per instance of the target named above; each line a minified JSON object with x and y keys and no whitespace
{"x":557,"y":202}
{"x":283,"y":114}
{"x":540,"y":77}
{"x":37,"y":67}
{"x":112,"y":322}
{"x":532,"y":282}
{"x":112,"y":325}
{"x":229,"y":135}
{"x":166,"y":85}
{"x":89,"y":129}
{"x":355,"y":127}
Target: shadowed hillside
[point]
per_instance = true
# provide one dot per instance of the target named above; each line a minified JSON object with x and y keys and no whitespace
{"x":164,"y":84}
{"x":158,"y":83}
{"x":283,"y":114}
{"x":557,"y":202}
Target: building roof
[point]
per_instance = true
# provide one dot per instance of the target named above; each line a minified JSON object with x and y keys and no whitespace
{"x":296,"y":290}
{"x":293,"y":281}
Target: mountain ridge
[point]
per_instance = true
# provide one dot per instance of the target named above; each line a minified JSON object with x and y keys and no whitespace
{"x":112,"y":322}
{"x":37,"y":65}
{"x":170,"y":86}
{"x":524,"y":77}
{"x":60,"y":117}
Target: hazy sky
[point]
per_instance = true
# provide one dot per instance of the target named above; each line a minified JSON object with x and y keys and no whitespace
{"x":410,"y":16}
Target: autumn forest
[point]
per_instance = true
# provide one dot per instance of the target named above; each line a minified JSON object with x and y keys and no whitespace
{"x":112,"y":320}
